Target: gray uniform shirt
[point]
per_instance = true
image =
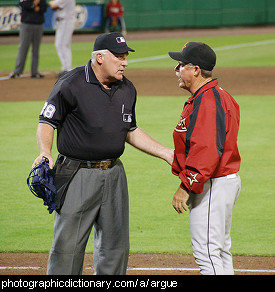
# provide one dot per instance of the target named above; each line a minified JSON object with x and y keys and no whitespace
{"x":66,"y":10}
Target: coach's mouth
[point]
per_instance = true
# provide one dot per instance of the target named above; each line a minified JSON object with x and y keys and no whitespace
{"x":179,"y":78}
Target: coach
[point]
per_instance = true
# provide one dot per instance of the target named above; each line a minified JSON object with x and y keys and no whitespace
{"x":93,"y":109}
{"x":207,"y":159}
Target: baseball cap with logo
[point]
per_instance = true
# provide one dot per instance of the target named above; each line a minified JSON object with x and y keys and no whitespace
{"x":196,"y":53}
{"x":113,"y":41}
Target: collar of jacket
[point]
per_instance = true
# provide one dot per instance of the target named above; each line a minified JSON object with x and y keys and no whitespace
{"x":208,"y":85}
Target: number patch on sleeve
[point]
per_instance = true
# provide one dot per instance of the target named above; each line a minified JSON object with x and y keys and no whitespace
{"x":48,"y":110}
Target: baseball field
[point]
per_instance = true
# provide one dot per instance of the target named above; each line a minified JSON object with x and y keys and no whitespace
{"x":159,"y":237}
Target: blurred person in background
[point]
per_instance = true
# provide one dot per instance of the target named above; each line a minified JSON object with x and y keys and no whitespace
{"x":65,"y":23}
{"x":30,"y":33}
{"x":114,"y":16}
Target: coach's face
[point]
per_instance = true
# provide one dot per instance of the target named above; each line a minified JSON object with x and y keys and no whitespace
{"x":114,"y":65}
{"x":185,"y":73}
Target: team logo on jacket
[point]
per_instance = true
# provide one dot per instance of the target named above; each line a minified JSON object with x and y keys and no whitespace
{"x":181,"y":126}
{"x":193,"y":179}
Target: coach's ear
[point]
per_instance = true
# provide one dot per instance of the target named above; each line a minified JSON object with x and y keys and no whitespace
{"x":197,"y":71}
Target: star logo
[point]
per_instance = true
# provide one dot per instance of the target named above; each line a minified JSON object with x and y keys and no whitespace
{"x":181,"y":126}
{"x":194,"y":178}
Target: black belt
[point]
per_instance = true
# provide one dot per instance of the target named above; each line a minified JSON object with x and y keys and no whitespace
{"x":103,"y":164}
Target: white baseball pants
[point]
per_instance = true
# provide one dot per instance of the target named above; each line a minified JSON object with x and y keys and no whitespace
{"x":210,"y":224}
{"x":63,"y":38}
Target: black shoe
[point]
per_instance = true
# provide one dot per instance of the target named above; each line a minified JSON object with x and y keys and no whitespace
{"x":14,"y":75}
{"x":37,"y":75}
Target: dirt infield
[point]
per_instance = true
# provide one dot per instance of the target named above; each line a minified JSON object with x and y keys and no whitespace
{"x":139,"y":264}
{"x":158,"y":82}
{"x":252,"y":81}
{"x":150,"y":82}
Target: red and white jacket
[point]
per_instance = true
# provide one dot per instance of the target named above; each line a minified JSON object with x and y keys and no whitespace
{"x":206,"y":137}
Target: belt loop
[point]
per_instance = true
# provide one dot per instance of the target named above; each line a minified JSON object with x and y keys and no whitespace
{"x":61,"y":159}
{"x":65,"y":157}
{"x":89,"y":164}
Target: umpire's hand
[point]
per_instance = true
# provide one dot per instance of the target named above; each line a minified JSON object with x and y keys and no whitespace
{"x":39,"y":160}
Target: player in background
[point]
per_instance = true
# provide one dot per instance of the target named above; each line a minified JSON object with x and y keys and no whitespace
{"x":65,"y":22}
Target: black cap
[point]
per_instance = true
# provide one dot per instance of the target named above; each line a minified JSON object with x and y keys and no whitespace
{"x":113,"y":41}
{"x":196,"y":53}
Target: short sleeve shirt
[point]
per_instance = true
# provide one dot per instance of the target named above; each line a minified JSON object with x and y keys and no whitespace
{"x":92,"y":123}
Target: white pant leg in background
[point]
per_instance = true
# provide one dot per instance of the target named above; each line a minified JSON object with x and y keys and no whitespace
{"x":210,"y":224}
{"x":63,"y":38}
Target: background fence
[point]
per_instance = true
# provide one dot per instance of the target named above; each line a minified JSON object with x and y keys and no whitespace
{"x":163,"y":14}
{"x":143,"y":14}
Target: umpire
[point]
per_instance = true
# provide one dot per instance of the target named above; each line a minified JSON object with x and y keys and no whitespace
{"x":93,"y":109}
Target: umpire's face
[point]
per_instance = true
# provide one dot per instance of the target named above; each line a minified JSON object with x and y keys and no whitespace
{"x":113,"y":65}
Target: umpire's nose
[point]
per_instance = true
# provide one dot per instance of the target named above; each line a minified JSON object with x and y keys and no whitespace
{"x":125,"y":63}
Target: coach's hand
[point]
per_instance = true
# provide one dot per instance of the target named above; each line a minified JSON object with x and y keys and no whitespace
{"x":180,"y":200}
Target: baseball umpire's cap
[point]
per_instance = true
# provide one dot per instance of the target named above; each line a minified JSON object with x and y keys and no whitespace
{"x":196,"y":53}
{"x":113,"y":41}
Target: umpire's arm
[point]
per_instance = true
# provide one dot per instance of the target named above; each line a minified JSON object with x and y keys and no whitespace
{"x":142,"y":141}
{"x":44,"y":135}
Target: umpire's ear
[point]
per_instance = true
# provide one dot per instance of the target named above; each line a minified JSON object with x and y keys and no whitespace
{"x":99,"y":58}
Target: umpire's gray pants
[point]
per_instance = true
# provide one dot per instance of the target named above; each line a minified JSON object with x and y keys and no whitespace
{"x":96,"y":198}
{"x":30,"y":34}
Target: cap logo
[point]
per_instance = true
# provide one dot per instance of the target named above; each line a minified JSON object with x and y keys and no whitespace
{"x":184,"y":46}
{"x":120,"y":40}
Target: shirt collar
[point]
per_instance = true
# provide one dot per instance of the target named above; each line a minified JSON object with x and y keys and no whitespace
{"x":90,"y":75}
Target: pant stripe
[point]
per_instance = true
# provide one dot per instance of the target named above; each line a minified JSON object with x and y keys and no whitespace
{"x":208,"y":227}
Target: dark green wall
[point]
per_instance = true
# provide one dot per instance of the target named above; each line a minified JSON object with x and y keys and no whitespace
{"x":158,"y":14}
{"x":142,"y":14}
